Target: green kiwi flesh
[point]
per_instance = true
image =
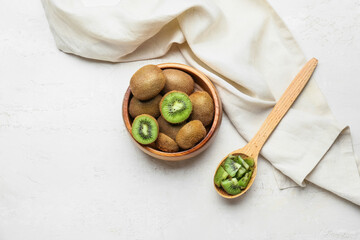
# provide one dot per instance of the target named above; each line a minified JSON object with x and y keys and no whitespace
{"x":203,"y":107}
{"x":190,"y":134}
{"x":220,"y":175}
{"x":151,"y":107}
{"x":175,"y":107}
{"x":145,"y":129}
{"x":231,"y":186}
{"x":178,"y":80}
{"x":147,"y":82}
{"x":231,"y":167}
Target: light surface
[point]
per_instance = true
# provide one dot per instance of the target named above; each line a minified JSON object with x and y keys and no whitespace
{"x":68,"y":169}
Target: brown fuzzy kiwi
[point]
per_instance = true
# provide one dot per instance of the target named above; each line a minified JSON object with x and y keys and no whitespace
{"x":169,"y":129}
{"x":179,"y":81}
{"x":147,"y":82}
{"x":190,"y":134}
{"x":203,"y":107}
{"x":166,"y":143}
{"x":151,"y":107}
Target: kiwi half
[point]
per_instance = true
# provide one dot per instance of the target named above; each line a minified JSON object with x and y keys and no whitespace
{"x":178,"y":80}
{"x":147,"y":82}
{"x":151,"y":107}
{"x":190,"y":134}
{"x":169,"y":129}
{"x":166,"y":144}
{"x":203,"y":107}
{"x":145,"y":129}
{"x":175,"y":107}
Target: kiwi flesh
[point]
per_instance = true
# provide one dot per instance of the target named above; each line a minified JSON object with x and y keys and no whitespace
{"x":169,"y":129}
{"x":220,"y":175}
{"x":203,"y":107}
{"x":166,"y":143}
{"x":147,"y":82}
{"x":151,"y":107}
{"x":178,"y":80}
{"x":175,"y":107}
{"x":190,"y":134}
{"x":145,"y":129}
{"x":231,"y":186}
{"x":230,"y":166}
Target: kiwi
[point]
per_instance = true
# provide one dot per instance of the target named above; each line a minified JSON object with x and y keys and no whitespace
{"x":147,"y":82}
{"x":145,"y":129}
{"x":203,"y":107}
{"x":230,"y":166}
{"x":231,"y":186}
{"x":151,"y":107}
{"x":179,"y":81}
{"x":169,"y":129}
{"x":240,"y":172}
{"x":190,"y":134}
{"x":166,"y":143}
{"x":244,"y":181}
{"x":175,"y":107}
{"x":220,"y":175}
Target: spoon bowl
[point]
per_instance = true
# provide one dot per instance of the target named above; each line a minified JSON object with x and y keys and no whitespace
{"x":253,"y":148}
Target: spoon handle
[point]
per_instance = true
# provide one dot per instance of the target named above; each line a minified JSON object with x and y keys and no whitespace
{"x":280,"y":109}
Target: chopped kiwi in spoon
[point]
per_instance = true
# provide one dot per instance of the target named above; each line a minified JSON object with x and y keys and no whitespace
{"x":234,"y":174}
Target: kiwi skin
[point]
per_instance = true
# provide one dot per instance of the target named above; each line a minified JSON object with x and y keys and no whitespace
{"x":203,"y":107}
{"x":151,"y":107}
{"x":190,"y":134}
{"x":166,"y":143}
{"x":169,"y":129}
{"x":147,"y":82}
{"x":179,"y":81}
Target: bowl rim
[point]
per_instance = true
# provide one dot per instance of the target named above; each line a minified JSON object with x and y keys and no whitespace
{"x":215,"y":124}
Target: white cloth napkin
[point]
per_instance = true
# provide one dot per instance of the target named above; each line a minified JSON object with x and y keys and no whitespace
{"x":246,"y":50}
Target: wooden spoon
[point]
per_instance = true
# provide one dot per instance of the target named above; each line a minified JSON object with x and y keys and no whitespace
{"x":252,"y":149}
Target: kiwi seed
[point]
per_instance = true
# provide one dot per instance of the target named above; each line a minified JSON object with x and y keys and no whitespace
{"x":151,"y":107}
{"x":190,"y":134}
{"x":169,"y":129}
{"x":178,"y":80}
{"x":147,"y":82}
{"x":203,"y":107}
{"x":175,"y":107}
{"x":145,"y":129}
{"x":166,"y":143}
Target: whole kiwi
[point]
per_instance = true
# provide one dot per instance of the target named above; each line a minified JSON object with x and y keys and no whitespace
{"x":169,"y":129}
{"x":190,"y":134}
{"x":179,"y":81}
{"x":166,"y":143}
{"x":151,"y":107}
{"x":147,"y":82}
{"x":203,"y":107}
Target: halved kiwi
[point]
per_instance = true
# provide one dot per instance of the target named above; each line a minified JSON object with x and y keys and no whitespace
{"x":175,"y":107}
{"x":145,"y":129}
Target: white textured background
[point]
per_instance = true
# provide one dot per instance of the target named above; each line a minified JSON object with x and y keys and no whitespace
{"x":69,"y":171}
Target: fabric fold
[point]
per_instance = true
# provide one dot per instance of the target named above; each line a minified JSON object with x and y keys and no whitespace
{"x":249,"y":54}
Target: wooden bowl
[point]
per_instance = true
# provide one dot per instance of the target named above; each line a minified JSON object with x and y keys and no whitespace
{"x":201,"y":83}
